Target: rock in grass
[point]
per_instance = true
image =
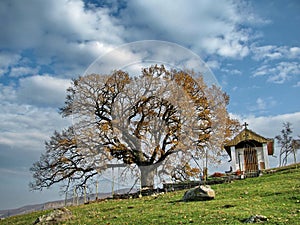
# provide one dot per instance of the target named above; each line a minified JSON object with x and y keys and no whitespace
{"x":256,"y":219}
{"x":54,"y":217}
{"x":200,"y":193}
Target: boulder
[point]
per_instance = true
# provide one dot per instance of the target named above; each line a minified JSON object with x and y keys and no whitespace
{"x":54,"y":217}
{"x":200,"y":193}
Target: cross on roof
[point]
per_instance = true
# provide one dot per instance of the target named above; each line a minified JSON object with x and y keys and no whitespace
{"x":245,"y":125}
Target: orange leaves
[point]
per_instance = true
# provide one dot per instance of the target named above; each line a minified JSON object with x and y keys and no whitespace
{"x":191,"y":171}
{"x":105,"y":126}
{"x":67,"y":142}
{"x":63,"y":159}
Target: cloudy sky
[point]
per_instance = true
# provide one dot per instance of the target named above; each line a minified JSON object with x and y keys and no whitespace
{"x":252,"y":47}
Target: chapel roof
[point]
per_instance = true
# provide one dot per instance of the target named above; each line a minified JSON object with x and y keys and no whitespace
{"x":248,"y":134}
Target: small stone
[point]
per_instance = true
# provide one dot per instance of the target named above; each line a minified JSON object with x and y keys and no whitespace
{"x":256,"y":219}
{"x":54,"y":217}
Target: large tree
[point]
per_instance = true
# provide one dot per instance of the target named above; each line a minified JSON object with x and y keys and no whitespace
{"x":159,"y":119}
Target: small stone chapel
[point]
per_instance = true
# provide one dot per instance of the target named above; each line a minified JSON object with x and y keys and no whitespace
{"x":248,"y":152}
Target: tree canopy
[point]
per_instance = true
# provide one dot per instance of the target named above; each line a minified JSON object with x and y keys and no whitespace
{"x":288,"y":145}
{"x":155,"y":121}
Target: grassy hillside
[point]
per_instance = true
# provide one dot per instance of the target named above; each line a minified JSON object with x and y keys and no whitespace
{"x":276,"y":196}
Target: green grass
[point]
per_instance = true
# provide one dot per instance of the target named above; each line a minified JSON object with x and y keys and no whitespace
{"x":276,"y":196}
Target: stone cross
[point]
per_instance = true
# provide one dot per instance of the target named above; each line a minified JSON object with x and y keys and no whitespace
{"x":246,"y":134}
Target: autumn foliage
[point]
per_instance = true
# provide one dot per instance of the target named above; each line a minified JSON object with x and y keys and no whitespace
{"x":156,"y":121}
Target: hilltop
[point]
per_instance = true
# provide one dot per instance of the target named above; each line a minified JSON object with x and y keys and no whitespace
{"x":275,"y":195}
{"x":53,"y":204}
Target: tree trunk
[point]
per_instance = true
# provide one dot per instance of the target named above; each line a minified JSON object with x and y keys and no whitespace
{"x":147,"y":176}
{"x":295,"y":155}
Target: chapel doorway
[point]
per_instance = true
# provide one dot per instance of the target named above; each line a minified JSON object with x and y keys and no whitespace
{"x":250,"y":160}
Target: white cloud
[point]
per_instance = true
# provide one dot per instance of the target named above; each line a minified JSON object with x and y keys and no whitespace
{"x":234,"y":88}
{"x":71,"y":21}
{"x":133,"y":56}
{"x":23,"y":130}
{"x":7,"y":93}
{"x":43,"y":90}
{"x":278,"y":73}
{"x":62,"y":34}
{"x":273,"y":52}
{"x":297,"y":84}
{"x":231,"y":71}
{"x":229,"y":47}
{"x":213,"y":64}
{"x":284,"y":71}
{"x":27,"y":127}
{"x":22,"y":71}
{"x":295,"y":52}
{"x":69,"y":35}
{"x":7,"y":59}
{"x":262,"y":105}
{"x":212,"y":27}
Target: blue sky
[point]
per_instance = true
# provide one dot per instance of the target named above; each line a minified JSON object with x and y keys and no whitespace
{"x":252,"y":47}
